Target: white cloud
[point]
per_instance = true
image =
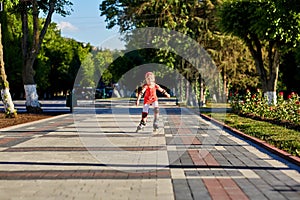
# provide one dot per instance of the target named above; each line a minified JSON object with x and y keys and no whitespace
{"x":66,"y":26}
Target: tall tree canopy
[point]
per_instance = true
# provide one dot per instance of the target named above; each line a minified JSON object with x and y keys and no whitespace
{"x":194,"y":18}
{"x":61,"y":58}
{"x":269,"y":29}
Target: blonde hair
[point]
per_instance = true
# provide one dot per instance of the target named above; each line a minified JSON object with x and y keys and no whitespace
{"x":149,"y":77}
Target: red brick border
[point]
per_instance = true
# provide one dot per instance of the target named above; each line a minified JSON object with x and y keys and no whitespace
{"x":84,"y":174}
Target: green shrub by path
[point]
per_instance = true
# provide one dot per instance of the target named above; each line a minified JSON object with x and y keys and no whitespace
{"x":278,"y":136}
{"x":254,"y":104}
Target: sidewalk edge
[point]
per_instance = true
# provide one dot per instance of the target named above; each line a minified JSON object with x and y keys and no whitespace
{"x":273,"y":149}
{"x":33,"y":122}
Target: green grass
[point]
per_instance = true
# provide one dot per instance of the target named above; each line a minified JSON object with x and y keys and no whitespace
{"x":278,"y":136}
{"x":217,"y":105}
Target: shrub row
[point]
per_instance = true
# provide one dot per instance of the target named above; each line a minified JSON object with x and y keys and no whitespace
{"x":284,"y":111}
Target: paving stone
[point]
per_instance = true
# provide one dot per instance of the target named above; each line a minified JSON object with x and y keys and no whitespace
{"x":198,"y":189}
{"x":182,"y":190}
{"x":100,"y":156}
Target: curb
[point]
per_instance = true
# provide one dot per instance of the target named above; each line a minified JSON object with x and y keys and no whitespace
{"x":273,"y":149}
{"x":33,"y":122}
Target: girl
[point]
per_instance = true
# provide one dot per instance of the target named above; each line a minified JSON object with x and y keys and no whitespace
{"x":150,"y":98}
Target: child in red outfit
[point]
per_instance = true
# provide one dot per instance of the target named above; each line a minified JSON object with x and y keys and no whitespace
{"x":150,"y":98}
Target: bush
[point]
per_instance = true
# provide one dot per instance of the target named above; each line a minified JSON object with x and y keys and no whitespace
{"x":256,"y":105}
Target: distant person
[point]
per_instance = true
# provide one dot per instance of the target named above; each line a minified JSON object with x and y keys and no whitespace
{"x":116,"y":90}
{"x":150,"y":98}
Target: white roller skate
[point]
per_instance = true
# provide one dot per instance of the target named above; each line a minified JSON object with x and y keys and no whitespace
{"x":141,"y":126}
{"x":155,"y":126}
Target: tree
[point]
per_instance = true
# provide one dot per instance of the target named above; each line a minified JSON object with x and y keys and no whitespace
{"x":230,"y":54}
{"x":102,"y":59}
{"x":193,"y":18}
{"x":268,"y":28}
{"x":4,"y":86}
{"x":31,"y":44}
{"x":61,"y":57}
{"x":11,"y":34}
{"x":88,"y":72}
{"x":10,"y":111}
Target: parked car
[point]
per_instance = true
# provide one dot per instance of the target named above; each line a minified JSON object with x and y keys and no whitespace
{"x":84,"y":93}
{"x":103,"y":93}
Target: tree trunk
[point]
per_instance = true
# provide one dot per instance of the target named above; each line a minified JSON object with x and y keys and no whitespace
{"x":32,"y":102}
{"x":202,"y":93}
{"x":187,"y":92}
{"x":225,"y":88}
{"x":30,"y":50}
{"x":268,"y":77}
{"x":181,"y":90}
{"x":8,"y":104}
{"x":274,"y":62}
{"x":269,"y":90}
{"x":9,"y":108}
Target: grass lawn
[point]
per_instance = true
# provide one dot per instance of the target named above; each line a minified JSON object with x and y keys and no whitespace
{"x":279,"y":136}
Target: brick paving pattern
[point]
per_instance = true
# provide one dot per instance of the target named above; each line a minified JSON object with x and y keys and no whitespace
{"x":96,"y":154}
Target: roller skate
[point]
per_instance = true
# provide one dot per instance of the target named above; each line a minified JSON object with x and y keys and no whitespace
{"x":155,"y":126}
{"x":141,"y":126}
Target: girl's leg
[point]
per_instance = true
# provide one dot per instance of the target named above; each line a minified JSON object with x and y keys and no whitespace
{"x":145,"y":114}
{"x":144,"y":118}
{"x":156,"y":114}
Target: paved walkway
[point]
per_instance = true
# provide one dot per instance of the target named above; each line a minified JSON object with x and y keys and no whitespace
{"x":95,"y":153}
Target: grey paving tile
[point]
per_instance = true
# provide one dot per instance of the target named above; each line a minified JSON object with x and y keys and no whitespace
{"x":250,"y":189}
{"x":198,"y":189}
{"x":182,"y":190}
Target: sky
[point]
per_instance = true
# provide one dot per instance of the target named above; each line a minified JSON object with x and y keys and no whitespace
{"x":86,"y":25}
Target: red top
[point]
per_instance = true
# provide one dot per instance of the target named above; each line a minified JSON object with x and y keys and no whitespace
{"x":150,"y":93}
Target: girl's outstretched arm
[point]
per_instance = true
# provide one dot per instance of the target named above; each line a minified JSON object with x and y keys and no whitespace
{"x":163,"y":91}
{"x":140,"y":96}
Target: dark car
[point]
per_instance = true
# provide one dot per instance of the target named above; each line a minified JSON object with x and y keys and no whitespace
{"x":103,"y":93}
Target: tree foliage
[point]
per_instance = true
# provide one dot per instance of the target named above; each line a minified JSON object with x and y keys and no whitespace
{"x":63,"y":58}
{"x":269,"y":29}
{"x":197,"y":19}
{"x":56,"y":64}
{"x":59,"y":58}
{"x":33,"y":33}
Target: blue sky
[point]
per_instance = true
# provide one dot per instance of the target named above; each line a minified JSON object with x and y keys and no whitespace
{"x":85,"y":25}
